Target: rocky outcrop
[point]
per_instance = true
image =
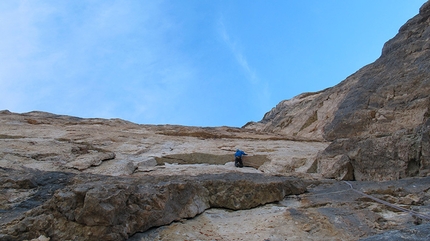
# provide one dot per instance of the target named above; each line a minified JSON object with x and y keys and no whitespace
{"x":114,"y":147}
{"x":392,"y":94}
{"x":417,"y":233}
{"x":328,"y":211}
{"x":199,"y":158}
{"x":96,"y":207}
{"x":382,"y":124}
{"x":304,"y":116}
{"x":398,"y":155}
{"x":92,"y":159}
{"x":377,"y":118}
{"x":66,"y":178}
{"x":65,"y":206}
{"x":69,"y":178}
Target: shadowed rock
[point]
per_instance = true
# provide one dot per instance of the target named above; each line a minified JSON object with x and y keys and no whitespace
{"x":413,"y":233}
{"x":96,"y":207}
{"x":54,"y":169}
{"x":377,"y":118}
{"x":254,"y":161}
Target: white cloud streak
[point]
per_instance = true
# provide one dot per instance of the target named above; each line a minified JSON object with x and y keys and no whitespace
{"x":260,"y":89}
{"x":240,"y":58}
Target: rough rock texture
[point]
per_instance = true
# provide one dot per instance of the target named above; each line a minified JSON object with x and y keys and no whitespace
{"x":304,"y":116}
{"x":44,"y":196}
{"x":255,"y":161}
{"x":69,"y":178}
{"x":377,"y":118}
{"x":328,"y":211}
{"x":97,"y":207}
{"x":418,"y":233}
{"x":116,"y":147}
{"x":404,"y":153}
{"x":64,"y":177}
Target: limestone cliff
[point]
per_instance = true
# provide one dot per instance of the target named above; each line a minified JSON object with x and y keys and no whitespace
{"x":69,"y":178}
{"x":377,"y":118}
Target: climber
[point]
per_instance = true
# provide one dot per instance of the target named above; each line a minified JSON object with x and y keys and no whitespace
{"x":238,"y":158}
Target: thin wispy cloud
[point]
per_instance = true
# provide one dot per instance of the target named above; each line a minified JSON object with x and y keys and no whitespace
{"x":260,"y":88}
{"x":235,"y":50}
{"x":182,"y":62}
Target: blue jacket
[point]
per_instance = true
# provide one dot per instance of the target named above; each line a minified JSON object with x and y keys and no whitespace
{"x":239,"y":153}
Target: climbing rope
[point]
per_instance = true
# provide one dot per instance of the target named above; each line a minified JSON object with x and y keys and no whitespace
{"x":413,"y":213}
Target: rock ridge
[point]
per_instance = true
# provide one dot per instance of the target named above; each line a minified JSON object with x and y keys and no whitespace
{"x":95,"y":207}
{"x":377,"y":118}
{"x":71,"y":178}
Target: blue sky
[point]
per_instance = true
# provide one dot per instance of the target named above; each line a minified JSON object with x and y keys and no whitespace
{"x":186,"y":62}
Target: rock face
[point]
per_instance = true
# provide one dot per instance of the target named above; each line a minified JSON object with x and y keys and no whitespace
{"x":115,"y":147}
{"x":419,"y":233}
{"x":302,"y":117}
{"x":377,"y":118}
{"x":97,"y":207}
{"x":255,"y":161}
{"x":328,"y":211}
{"x":69,"y":178}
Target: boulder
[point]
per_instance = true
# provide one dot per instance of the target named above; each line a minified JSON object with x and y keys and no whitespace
{"x":86,"y":161}
{"x":328,"y":210}
{"x":98,"y":207}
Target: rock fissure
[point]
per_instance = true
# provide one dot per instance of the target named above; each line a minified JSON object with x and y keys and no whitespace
{"x":413,"y":213}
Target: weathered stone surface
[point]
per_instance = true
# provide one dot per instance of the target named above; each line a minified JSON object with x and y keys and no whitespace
{"x":60,"y":143}
{"x":69,"y":178}
{"x":338,"y":167}
{"x":304,"y":116}
{"x":377,"y":118}
{"x":413,"y":233}
{"x":398,"y":155}
{"x":89,"y":160}
{"x":392,"y":94}
{"x":328,"y":211}
{"x":198,"y":158}
{"x":96,"y":207}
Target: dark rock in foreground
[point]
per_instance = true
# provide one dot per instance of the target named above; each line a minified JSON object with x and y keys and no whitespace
{"x":97,"y":207}
{"x":328,"y":210}
{"x":414,"y":233}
